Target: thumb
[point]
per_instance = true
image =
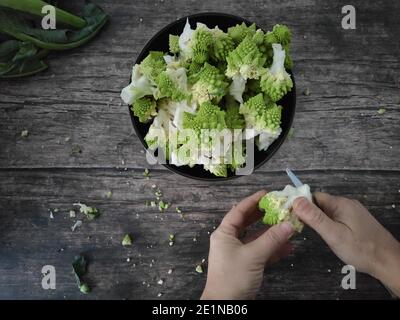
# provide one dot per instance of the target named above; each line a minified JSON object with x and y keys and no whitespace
{"x":313,"y":216}
{"x":272,"y":240}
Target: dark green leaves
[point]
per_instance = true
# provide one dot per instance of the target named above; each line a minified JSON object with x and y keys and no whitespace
{"x":79,"y":267}
{"x":24,"y":57}
{"x":19,"y":58}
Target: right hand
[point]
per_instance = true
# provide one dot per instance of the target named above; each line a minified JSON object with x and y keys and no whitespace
{"x":354,"y":235}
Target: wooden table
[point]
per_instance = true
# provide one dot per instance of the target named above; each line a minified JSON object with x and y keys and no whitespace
{"x":340,"y":145}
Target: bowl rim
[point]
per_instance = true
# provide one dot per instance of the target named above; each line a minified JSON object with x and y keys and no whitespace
{"x":174,"y":169}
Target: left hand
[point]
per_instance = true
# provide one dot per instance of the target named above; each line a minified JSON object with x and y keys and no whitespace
{"x":236,"y":266}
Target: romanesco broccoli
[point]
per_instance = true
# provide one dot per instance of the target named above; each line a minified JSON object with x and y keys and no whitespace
{"x":225,"y":82}
{"x":246,"y":60}
{"x":211,"y":85}
{"x":174,"y":44}
{"x":172,"y":83}
{"x":277,"y":205}
{"x":153,"y":64}
{"x":144,"y":109}
{"x":276,"y":82}
{"x":239,"y":32}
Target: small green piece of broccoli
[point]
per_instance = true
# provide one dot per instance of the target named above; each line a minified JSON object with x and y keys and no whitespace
{"x":90,"y":212}
{"x":174,"y":44}
{"x":127,"y":240}
{"x":144,"y":109}
{"x":277,"y":205}
{"x":276,"y":82}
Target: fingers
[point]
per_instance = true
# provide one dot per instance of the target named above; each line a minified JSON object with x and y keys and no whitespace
{"x":313,"y":216}
{"x":242,"y":215}
{"x":326,"y":202}
{"x":271,"y":241}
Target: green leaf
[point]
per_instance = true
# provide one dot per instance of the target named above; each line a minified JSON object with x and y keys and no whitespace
{"x":35,"y":7}
{"x":79,"y":267}
{"x":20,"y":59}
{"x":18,"y":26}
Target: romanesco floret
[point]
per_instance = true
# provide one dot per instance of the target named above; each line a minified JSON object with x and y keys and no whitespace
{"x":174,"y":44}
{"x":139,"y":87}
{"x":222,"y":45}
{"x":210,"y":84}
{"x":281,"y":34}
{"x":162,"y":133}
{"x":260,"y":116}
{"x":209,"y":116}
{"x":144,"y":109}
{"x":153,"y":64}
{"x":277,"y":205}
{"x":276,"y":82}
{"x":202,"y":41}
{"x":172,"y":83}
{"x":246,"y":60}
{"x":239,"y":32}
{"x":233,"y":119}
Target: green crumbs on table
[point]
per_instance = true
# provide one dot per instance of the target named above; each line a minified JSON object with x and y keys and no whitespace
{"x":109,"y":194}
{"x":381,"y":110}
{"x":75,"y":150}
{"x":24,"y":133}
{"x":90,"y":212}
{"x":127,"y":240}
{"x":84,"y":288}
{"x":199,"y":268}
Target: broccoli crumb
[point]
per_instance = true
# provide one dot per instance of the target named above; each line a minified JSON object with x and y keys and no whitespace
{"x":109,"y":194}
{"x":178,"y":210}
{"x":171,"y":237}
{"x":24,"y":133}
{"x":84,"y":288}
{"x":72,"y":214}
{"x":127,"y":240}
{"x":146,"y":173}
{"x":381,"y":110}
{"x":163,"y":205}
{"x":306,"y":92}
{"x":290,"y":133}
{"x":199,"y":268}
{"x":75,"y":150}
{"x":90,"y":212}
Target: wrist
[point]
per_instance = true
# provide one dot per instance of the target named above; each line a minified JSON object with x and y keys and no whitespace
{"x":388,"y":266}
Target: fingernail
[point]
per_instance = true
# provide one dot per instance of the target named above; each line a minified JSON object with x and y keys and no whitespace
{"x":287,"y":229}
{"x":301,"y":204}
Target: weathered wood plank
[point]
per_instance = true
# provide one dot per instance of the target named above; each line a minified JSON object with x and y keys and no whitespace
{"x":336,"y":127}
{"x":29,"y":239}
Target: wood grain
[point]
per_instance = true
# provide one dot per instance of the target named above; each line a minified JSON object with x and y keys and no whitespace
{"x":340,"y":145}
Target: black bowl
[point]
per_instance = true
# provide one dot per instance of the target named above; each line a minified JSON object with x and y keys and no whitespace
{"x":159,"y":42}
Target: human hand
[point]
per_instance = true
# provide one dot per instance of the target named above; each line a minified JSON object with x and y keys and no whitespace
{"x":236,"y":266}
{"x":354,"y":235}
